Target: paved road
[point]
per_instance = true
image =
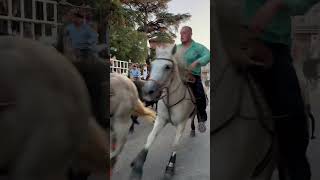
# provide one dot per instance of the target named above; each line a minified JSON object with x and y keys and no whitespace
{"x":314,"y":148}
{"x":193,"y":159}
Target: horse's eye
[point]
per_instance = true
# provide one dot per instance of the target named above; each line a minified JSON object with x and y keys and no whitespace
{"x":167,"y":67}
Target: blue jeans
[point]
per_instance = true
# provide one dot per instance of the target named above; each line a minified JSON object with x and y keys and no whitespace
{"x":201,"y":101}
{"x":281,"y":88}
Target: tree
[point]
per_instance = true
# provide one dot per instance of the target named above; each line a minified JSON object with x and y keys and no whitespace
{"x":127,"y":43}
{"x":152,"y":17}
{"x":134,"y":22}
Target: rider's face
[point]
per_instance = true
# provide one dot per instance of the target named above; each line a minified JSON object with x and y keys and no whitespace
{"x":185,"y":35}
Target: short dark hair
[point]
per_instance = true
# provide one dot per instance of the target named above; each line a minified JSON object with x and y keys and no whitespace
{"x":187,"y":27}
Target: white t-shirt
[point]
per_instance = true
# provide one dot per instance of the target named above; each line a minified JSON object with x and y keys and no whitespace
{"x":145,"y":73}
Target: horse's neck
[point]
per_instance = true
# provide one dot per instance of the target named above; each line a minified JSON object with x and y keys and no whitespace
{"x":176,"y":86}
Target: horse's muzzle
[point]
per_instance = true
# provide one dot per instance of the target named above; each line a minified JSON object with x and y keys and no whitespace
{"x":151,"y":90}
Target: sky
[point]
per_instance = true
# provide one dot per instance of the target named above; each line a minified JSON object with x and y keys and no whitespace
{"x":199,"y":21}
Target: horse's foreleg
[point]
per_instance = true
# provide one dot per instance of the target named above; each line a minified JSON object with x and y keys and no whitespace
{"x":171,"y":164}
{"x":138,"y":162}
{"x":158,"y":125}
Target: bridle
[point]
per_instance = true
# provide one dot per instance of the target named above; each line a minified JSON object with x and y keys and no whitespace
{"x":165,"y":86}
{"x":162,"y":85}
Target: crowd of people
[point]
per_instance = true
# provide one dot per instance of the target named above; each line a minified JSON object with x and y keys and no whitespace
{"x":138,"y":71}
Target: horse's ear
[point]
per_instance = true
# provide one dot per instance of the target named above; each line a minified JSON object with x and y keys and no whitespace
{"x":174,"y":50}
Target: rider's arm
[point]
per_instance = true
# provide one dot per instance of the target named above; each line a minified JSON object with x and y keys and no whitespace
{"x":204,"y":55}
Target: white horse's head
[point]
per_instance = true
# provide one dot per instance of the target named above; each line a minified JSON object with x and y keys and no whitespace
{"x":162,"y":71}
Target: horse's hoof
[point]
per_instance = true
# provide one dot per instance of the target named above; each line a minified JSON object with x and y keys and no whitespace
{"x":167,"y":177}
{"x":202,"y":127}
{"x":135,"y":175}
{"x":192,"y":133}
{"x":168,"y":173}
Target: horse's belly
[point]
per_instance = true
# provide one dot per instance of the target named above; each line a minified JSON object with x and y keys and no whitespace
{"x":181,"y":112}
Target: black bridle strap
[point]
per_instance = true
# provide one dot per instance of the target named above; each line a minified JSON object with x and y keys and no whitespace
{"x":161,"y":84}
{"x":165,"y":59}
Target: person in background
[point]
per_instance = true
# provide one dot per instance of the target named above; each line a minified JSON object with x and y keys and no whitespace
{"x":83,"y":38}
{"x":145,"y":72}
{"x":135,"y":73}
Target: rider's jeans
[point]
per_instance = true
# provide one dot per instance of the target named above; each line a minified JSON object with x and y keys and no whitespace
{"x":281,"y":88}
{"x":198,"y":91}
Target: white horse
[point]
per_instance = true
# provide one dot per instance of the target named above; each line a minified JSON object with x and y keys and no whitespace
{"x":124,"y":102}
{"x":176,"y":105}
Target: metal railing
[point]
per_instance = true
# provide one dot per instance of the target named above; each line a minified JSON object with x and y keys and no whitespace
{"x":119,"y":66}
{"x":37,"y":25}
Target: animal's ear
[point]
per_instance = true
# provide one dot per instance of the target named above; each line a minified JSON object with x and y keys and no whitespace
{"x":174,"y":49}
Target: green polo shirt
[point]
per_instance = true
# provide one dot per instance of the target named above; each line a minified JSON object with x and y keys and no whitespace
{"x":279,"y":30}
{"x":195,"y":52}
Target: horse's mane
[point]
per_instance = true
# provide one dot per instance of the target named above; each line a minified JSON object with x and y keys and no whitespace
{"x":181,"y":64}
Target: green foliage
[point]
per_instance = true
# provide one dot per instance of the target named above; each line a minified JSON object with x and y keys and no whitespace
{"x":128,"y":44}
{"x":134,"y":22}
{"x":152,"y":17}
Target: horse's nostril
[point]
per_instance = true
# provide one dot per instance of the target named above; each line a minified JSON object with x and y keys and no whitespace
{"x":151,"y":92}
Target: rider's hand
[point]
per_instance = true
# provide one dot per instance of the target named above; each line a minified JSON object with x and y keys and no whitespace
{"x":194,"y":65}
{"x":260,"y":54}
{"x":264,"y":16}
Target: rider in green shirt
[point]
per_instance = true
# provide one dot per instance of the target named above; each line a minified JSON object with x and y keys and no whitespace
{"x":196,"y":52}
{"x":195,"y":56}
{"x":270,"y":22}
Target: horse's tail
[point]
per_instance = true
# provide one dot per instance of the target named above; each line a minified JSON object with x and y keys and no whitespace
{"x":144,"y":112}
